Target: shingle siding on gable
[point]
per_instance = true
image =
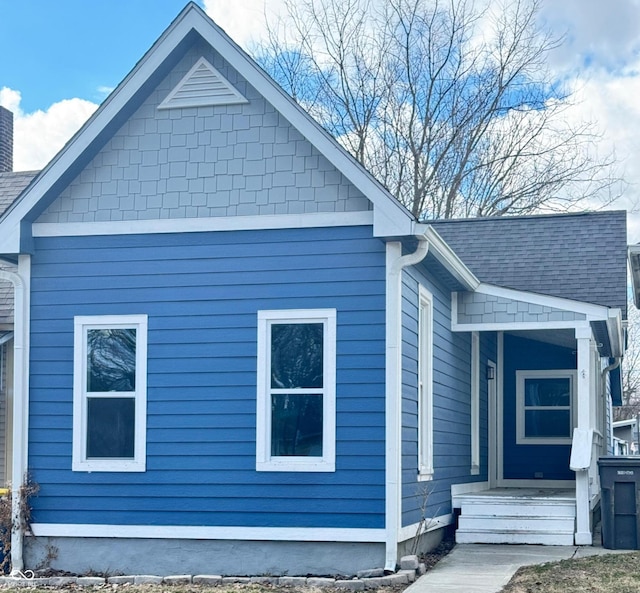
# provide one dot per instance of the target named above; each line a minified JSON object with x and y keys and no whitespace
{"x":228,"y":160}
{"x":582,"y":257}
{"x":202,"y":292}
{"x":483,"y":308}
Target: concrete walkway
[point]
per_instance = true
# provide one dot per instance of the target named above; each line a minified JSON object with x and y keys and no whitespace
{"x":486,"y":568}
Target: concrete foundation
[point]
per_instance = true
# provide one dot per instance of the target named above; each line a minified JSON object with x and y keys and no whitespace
{"x":177,"y":556}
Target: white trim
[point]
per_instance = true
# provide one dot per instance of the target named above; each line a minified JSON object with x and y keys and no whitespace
{"x":20,"y":445}
{"x":492,"y":425}
{"x":4,"y":339}
{"x":417,"y":529}
{"x":500,"y":413}
{"x":302,"y":534}
{"x":425,"y":384}
{"x":395,"y":262}
{"x":521,"y":377}
{"x":475,"y":403}
{"x":517,"y":325}
{"x":468,"y":488}
{"x":194,"y":225}
{"x":448,"y":257}
{"x":593,"y":312}
{"x":264,"y":460}
{"x":390,"y":217}
{"x":80,"y":461}
{"x":199,"y":100}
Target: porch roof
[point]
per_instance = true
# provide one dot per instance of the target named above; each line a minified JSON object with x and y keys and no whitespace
{"x":492,"y":308}
{"x":581,"y":257}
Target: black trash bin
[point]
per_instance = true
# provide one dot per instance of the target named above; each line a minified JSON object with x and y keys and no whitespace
{"x":620,"y":503}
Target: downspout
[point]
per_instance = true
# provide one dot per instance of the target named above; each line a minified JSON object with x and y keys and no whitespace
{"x":395,"y":263}
{"x":20,"y":283}
{"x":605,"y":402}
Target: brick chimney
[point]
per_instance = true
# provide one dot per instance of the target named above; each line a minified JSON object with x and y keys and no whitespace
{"x":6,"y":140}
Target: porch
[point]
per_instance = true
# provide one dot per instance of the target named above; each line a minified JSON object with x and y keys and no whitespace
{"x":544,"y":516}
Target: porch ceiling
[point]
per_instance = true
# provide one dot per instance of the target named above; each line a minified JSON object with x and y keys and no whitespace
{"x":558,"y":337}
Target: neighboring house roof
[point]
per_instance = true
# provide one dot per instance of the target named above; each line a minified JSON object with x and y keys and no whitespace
{"x":11,"y":186}
{"x":582,"y":257}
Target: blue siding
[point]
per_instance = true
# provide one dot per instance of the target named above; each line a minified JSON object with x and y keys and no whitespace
{"x":522,"y":462}
{"x":202,"y":292}
{"x":452,"y":401}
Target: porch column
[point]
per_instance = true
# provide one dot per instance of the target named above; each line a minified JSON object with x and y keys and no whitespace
{"x":583,"y":535}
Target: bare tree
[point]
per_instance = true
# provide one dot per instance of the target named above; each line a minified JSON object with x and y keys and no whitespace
{"x":450,"y":106}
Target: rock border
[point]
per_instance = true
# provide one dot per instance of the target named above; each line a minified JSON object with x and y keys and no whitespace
{"x":410,"y":569}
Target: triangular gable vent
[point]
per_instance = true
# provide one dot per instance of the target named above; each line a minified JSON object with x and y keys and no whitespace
{"x":202,"y":86}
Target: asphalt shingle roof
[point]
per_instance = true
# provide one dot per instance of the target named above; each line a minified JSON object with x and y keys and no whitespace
{"x":11,"y":186}
{"x":582,"y":257}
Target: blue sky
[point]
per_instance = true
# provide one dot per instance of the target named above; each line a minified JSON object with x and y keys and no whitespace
{"x":61,"y":57}
{"x":57,"y":49}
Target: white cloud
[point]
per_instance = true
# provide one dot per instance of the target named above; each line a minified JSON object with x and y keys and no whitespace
{"x":244,"y":21}
{"x":598,"y":33}
{"x":39,"y":135}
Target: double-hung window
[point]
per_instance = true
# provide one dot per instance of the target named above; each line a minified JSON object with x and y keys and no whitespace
{"x":545,"y":406}
{"x":296,"y":378}
{"x":110,"y":393}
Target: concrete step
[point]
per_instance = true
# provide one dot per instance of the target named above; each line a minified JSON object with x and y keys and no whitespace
{"x":514,"y":509}
{"x":516,"y":523}
{"x":514,"y":537}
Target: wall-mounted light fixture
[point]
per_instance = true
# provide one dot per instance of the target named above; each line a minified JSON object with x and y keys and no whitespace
{"x":490,"y":372}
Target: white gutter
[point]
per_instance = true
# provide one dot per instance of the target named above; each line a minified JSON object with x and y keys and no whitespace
{"x":441,"y":250}
{"x":395,"y":263}
{"x":20,"y":282}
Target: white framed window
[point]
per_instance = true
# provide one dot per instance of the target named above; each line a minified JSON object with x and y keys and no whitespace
{"x":475,"y":403}
{"x":296,"y":390}
{"x":425,"y":385}
{"x":110,"y":393}
{"x":545,"y":406}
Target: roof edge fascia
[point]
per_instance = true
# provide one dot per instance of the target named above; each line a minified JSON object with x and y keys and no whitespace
{"x":593,"y":312}
{"x":447,"y":256}
{"x":390,"y":217}
{"x":89,"y":132}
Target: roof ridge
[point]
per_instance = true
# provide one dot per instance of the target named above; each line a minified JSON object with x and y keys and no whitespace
{"x":526,"y":216}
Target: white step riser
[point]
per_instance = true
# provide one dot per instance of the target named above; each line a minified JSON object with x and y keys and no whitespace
{"x":515,"y":510}
{"x":547,"y":539}
{"x":472,"y":523}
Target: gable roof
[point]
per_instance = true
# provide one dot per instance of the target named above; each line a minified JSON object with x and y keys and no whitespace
{"x":390,"y":217}
{"x":581,"y":257}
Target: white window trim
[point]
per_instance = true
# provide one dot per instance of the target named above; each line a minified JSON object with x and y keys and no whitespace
{"x":521,"y":376}
{"x":81,"y":325}
{"x":475,"y":403}
{"x":425,"y":385}
{"x":264,"y":460}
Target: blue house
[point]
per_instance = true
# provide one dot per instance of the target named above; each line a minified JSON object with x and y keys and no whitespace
{"x":237,"y":352}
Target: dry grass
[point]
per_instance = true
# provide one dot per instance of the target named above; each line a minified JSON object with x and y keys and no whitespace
{"x":610,"y":573}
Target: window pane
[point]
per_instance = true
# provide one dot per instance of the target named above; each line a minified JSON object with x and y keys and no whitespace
{"x":296,"y":425}
{"x":547,"y":392}
{"x":111,"y":360}
{"x":110,"y":427}
{"x":296,"y":355}
{"x":547,"y":423}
